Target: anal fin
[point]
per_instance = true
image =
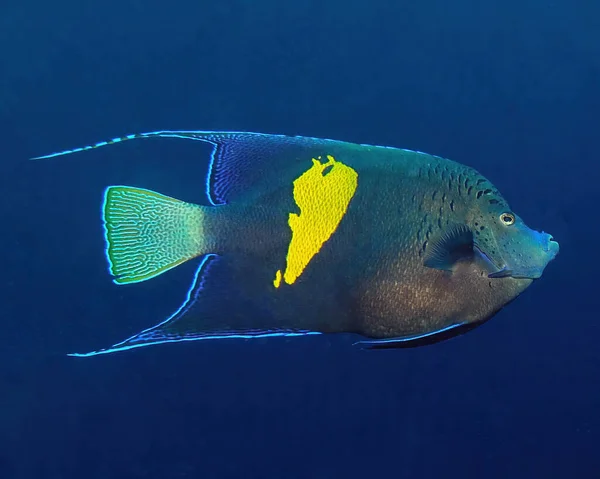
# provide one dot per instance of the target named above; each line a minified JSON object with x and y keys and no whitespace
{"x":213,"y":309}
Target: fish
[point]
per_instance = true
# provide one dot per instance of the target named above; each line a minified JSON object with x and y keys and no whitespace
{"x":305,"y":236}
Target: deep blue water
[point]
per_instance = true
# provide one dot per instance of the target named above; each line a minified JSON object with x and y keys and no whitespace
{"x":510,"y":88}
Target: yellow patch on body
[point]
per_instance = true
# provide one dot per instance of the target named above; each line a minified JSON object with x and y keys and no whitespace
{"x":323,"y":198}
{"x":277,"y":280}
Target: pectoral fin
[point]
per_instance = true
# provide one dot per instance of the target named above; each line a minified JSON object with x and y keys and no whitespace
{"x":453,"y":245}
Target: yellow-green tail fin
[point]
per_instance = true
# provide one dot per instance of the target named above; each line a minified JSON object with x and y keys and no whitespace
{"x":148,"y":233}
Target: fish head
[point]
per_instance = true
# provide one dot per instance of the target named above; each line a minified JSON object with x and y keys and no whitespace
{"x":511,"y":248}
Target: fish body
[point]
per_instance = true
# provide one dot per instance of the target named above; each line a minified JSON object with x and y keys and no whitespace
{"x":308,"y":236}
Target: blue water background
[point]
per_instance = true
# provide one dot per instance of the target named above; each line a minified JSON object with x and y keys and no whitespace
{"x":509,"y":87}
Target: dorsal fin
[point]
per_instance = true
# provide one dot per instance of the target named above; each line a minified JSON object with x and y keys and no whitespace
{"x":242,"y":160}
{"x":252,"y":160}
{"x":239,"y":160}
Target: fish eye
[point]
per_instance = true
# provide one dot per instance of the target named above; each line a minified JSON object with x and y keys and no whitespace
{"x":507,"y":218}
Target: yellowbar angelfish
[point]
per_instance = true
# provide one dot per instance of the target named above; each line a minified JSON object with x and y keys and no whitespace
{"x":311,"y":236}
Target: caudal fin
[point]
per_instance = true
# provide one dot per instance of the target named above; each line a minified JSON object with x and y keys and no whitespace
{"x":148,"y":233}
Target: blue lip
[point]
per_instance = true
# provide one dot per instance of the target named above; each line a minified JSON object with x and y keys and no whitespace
{"x":553,"y":247}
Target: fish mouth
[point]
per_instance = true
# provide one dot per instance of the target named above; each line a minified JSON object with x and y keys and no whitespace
{"x":552,"y":248}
